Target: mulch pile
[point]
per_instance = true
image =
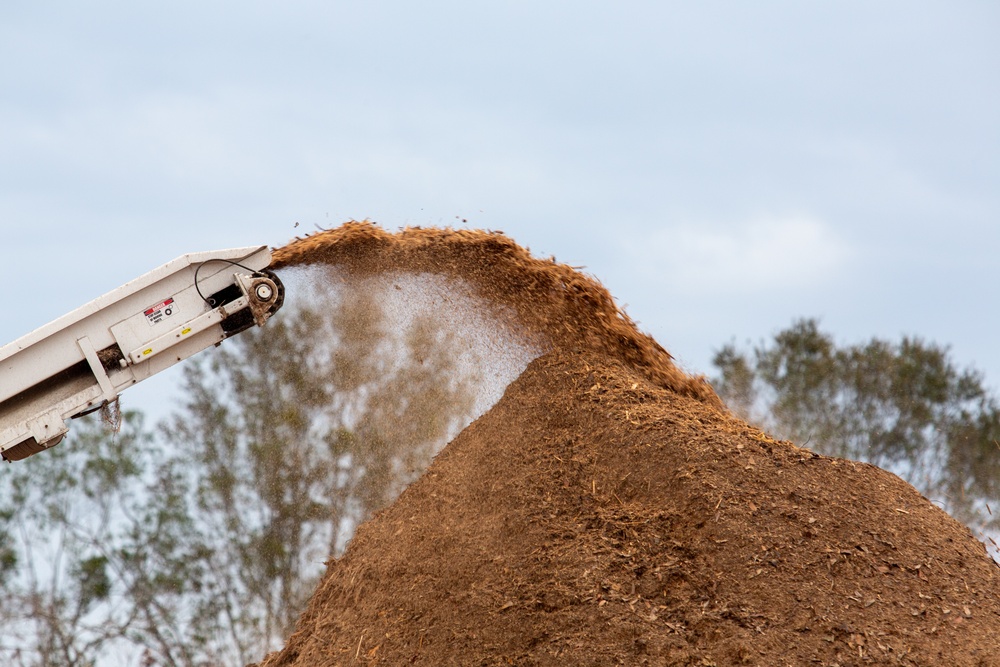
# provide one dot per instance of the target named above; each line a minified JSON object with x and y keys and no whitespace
{"x":608,"y":510}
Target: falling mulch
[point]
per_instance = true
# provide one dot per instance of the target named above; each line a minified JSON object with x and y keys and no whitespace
{"x":609,"y":511}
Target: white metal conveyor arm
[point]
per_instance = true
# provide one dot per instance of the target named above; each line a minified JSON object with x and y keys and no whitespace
{"x":84,"y":359}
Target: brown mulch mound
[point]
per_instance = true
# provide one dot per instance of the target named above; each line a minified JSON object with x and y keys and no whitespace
{"x":607,"y":511}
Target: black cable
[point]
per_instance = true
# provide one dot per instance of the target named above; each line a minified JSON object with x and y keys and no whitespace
{"x":215,"y":259}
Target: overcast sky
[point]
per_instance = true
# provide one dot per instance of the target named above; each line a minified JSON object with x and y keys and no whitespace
{"x":723,"y":167}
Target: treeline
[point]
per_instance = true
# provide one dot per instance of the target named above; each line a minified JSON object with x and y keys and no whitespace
{"x":903,"y":406}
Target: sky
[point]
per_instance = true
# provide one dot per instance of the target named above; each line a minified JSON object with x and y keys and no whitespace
{"x":724,"y":168}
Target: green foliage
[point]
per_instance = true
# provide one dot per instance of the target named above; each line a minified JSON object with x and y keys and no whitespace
{"x":8,"y":550}
{"x":902,"y":406}
{"x":92,"y":580}
{"x":64,"y":509}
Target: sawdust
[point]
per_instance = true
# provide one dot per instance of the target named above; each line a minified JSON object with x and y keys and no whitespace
{"x":551,"y":300}
{"x":607,"y":510}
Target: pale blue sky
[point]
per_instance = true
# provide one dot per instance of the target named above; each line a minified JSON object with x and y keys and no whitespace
{"x":723,"y":167}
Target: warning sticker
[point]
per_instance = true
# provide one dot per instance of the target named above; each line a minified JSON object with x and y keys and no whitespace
{"x":159,"y":312}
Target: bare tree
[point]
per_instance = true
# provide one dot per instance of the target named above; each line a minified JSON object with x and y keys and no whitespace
{"x":200,"y":542}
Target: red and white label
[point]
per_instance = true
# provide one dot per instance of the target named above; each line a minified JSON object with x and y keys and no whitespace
{"x":159,"y":312}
